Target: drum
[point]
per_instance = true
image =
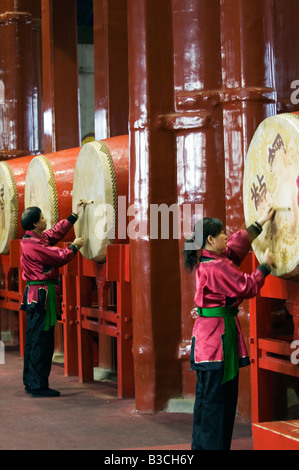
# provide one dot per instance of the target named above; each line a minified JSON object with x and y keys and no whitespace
{"x":271,"y":175}
{"x":101,"y":177}
{"x":49,"y":185}
{"x":12,"y":186}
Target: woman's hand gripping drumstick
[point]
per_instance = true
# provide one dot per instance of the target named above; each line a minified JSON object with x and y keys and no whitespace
{"x":79,"y":242}
{"x":81,"y":205}
{"x":267,"y":257}
{"x":267,"y":215}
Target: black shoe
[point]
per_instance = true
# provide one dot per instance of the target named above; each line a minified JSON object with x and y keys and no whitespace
{"x":27,"y":389}
{"x":44,"y":392}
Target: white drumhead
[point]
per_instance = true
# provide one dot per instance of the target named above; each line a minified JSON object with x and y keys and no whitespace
{"x":40,"y":189}
{"x":271,"y":176}
{"x":8,"y":207}
{"x":94,"y":180}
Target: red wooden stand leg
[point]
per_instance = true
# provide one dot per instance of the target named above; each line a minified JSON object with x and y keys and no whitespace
{"x":105,"y":349}
{"x":69,"y":320}
{"x":293,"y":309}
{"x":85,"y":355}
{"x":85,"y":344}
{"x":125,"y":366}
{"x":118,"y":269}
{"x":261,"y":384}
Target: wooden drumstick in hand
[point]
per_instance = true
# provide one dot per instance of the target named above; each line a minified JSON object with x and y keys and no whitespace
{"x":282,"y":208}
{"x":87,"y":202}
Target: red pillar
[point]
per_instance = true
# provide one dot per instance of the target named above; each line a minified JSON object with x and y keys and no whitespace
{"x":248,"y":86}
{"x":154,"y":262}
{"x":249,"y":96}
{"x":60,"y":75}
{"x":199,"y":137}
{"x":111,"y":68}
{"x":111,"y":90}
{"x":21,"y":130}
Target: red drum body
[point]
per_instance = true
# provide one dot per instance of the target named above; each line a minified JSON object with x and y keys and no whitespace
{"x":12,"y":189}
{"x":49,"y":184}
{"x":101,"y":177}
{"x":271,"y":176}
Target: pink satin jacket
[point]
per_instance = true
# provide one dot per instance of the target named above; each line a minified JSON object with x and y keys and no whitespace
{"x":219,"y":282}
{"x":40,"y":259}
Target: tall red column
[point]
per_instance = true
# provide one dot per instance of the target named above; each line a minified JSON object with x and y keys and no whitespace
{"x":21,"y":131}
{"x":249,"y":96}
{"x":111,"y":90}
{"x":199,"y":138}
{"x":60,"y":75}
{"x":154,"y":262}
{"x":111,"y":68}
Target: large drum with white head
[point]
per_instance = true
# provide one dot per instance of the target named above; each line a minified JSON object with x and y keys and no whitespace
{"x":101,"y":178}
{"x":12,"y":187}
{"x":49,"y":185}
{"x":271,"y":175}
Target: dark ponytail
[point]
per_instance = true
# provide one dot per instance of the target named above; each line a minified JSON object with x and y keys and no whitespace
{"x":203,"y":228}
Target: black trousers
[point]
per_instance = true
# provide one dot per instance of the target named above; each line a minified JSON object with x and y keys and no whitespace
{"x":214,"y":411}
{"x":39,"y":349}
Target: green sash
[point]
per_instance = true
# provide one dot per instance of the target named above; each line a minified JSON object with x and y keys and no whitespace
{"x":51,"y":312}
{"x":230,"y":349}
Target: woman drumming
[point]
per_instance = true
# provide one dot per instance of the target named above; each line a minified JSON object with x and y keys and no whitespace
{"x":218,"y":347}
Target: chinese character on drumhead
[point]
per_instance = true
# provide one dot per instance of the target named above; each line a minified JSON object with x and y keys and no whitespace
{"x":259,"y":192}
{"x":277,"y":144}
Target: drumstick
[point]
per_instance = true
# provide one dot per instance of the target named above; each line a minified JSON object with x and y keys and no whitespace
{"x":282,"y":208}
{"x":89,"y":202}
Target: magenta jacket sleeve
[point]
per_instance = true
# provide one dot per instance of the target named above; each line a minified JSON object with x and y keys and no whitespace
{"x":51,"y":255}
{"x":55,"y":234}
{"x":230,"y":282}
{"x":220,"y":279}
{"x":238,"y":245}
{"x":40,"y":261}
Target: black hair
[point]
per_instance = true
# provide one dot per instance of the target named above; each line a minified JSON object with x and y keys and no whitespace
{"x":30,"y":216}
{"x":203,"y":228}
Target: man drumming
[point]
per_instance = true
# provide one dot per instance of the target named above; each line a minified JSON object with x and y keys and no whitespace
{"x":40,"y":262}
